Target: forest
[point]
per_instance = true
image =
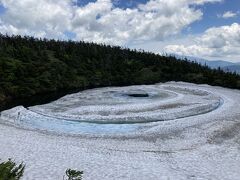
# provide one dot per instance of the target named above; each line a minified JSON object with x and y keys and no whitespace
{"x":32,"y":67}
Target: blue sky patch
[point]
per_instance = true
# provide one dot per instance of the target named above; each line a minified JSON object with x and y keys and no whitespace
{"x":70,"y":34}
{"x":2,"y":9}
{"x":211,"y":13}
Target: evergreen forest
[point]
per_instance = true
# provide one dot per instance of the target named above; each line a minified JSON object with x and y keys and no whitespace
{"x":35,"y":71}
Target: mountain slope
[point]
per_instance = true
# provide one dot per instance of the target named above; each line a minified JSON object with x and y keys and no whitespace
{"x":33,"y":67}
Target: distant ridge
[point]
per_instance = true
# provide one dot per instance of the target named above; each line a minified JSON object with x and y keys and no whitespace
{"x":233,"y":68}
{"x":224,"y":65}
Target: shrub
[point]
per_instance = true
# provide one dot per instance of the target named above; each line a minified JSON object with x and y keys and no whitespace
{"x":9,"y":170}
{"x":74,"y":174}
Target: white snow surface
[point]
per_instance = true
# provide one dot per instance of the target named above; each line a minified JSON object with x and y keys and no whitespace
{"x":187,"y":131}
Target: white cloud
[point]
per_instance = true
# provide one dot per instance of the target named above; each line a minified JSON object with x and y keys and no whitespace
{"x":100,"y":21}
{"x":218,"y":42}
{"x":40,"y":18}
{"x":228,"y":14}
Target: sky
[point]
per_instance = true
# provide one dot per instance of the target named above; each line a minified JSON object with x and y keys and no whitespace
{"x":207,"y":29}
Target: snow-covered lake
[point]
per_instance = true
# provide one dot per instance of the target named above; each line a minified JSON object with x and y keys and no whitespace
{"x":114,"y":110}
{"x":162,"y":131}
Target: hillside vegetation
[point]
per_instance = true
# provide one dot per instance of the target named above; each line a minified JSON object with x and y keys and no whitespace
{"x":32,"y":67}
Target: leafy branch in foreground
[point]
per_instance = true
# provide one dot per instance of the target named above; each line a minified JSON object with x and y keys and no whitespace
{"x":74,"y":174}
{"x":9,"y":170}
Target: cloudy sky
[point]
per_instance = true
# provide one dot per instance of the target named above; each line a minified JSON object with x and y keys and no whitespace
{"x":201,"y":28}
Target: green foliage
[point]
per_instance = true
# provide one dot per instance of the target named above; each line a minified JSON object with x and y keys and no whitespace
{"x":74,"y":174}
{"x":11,"y":171}
{"x":32,"y":67}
